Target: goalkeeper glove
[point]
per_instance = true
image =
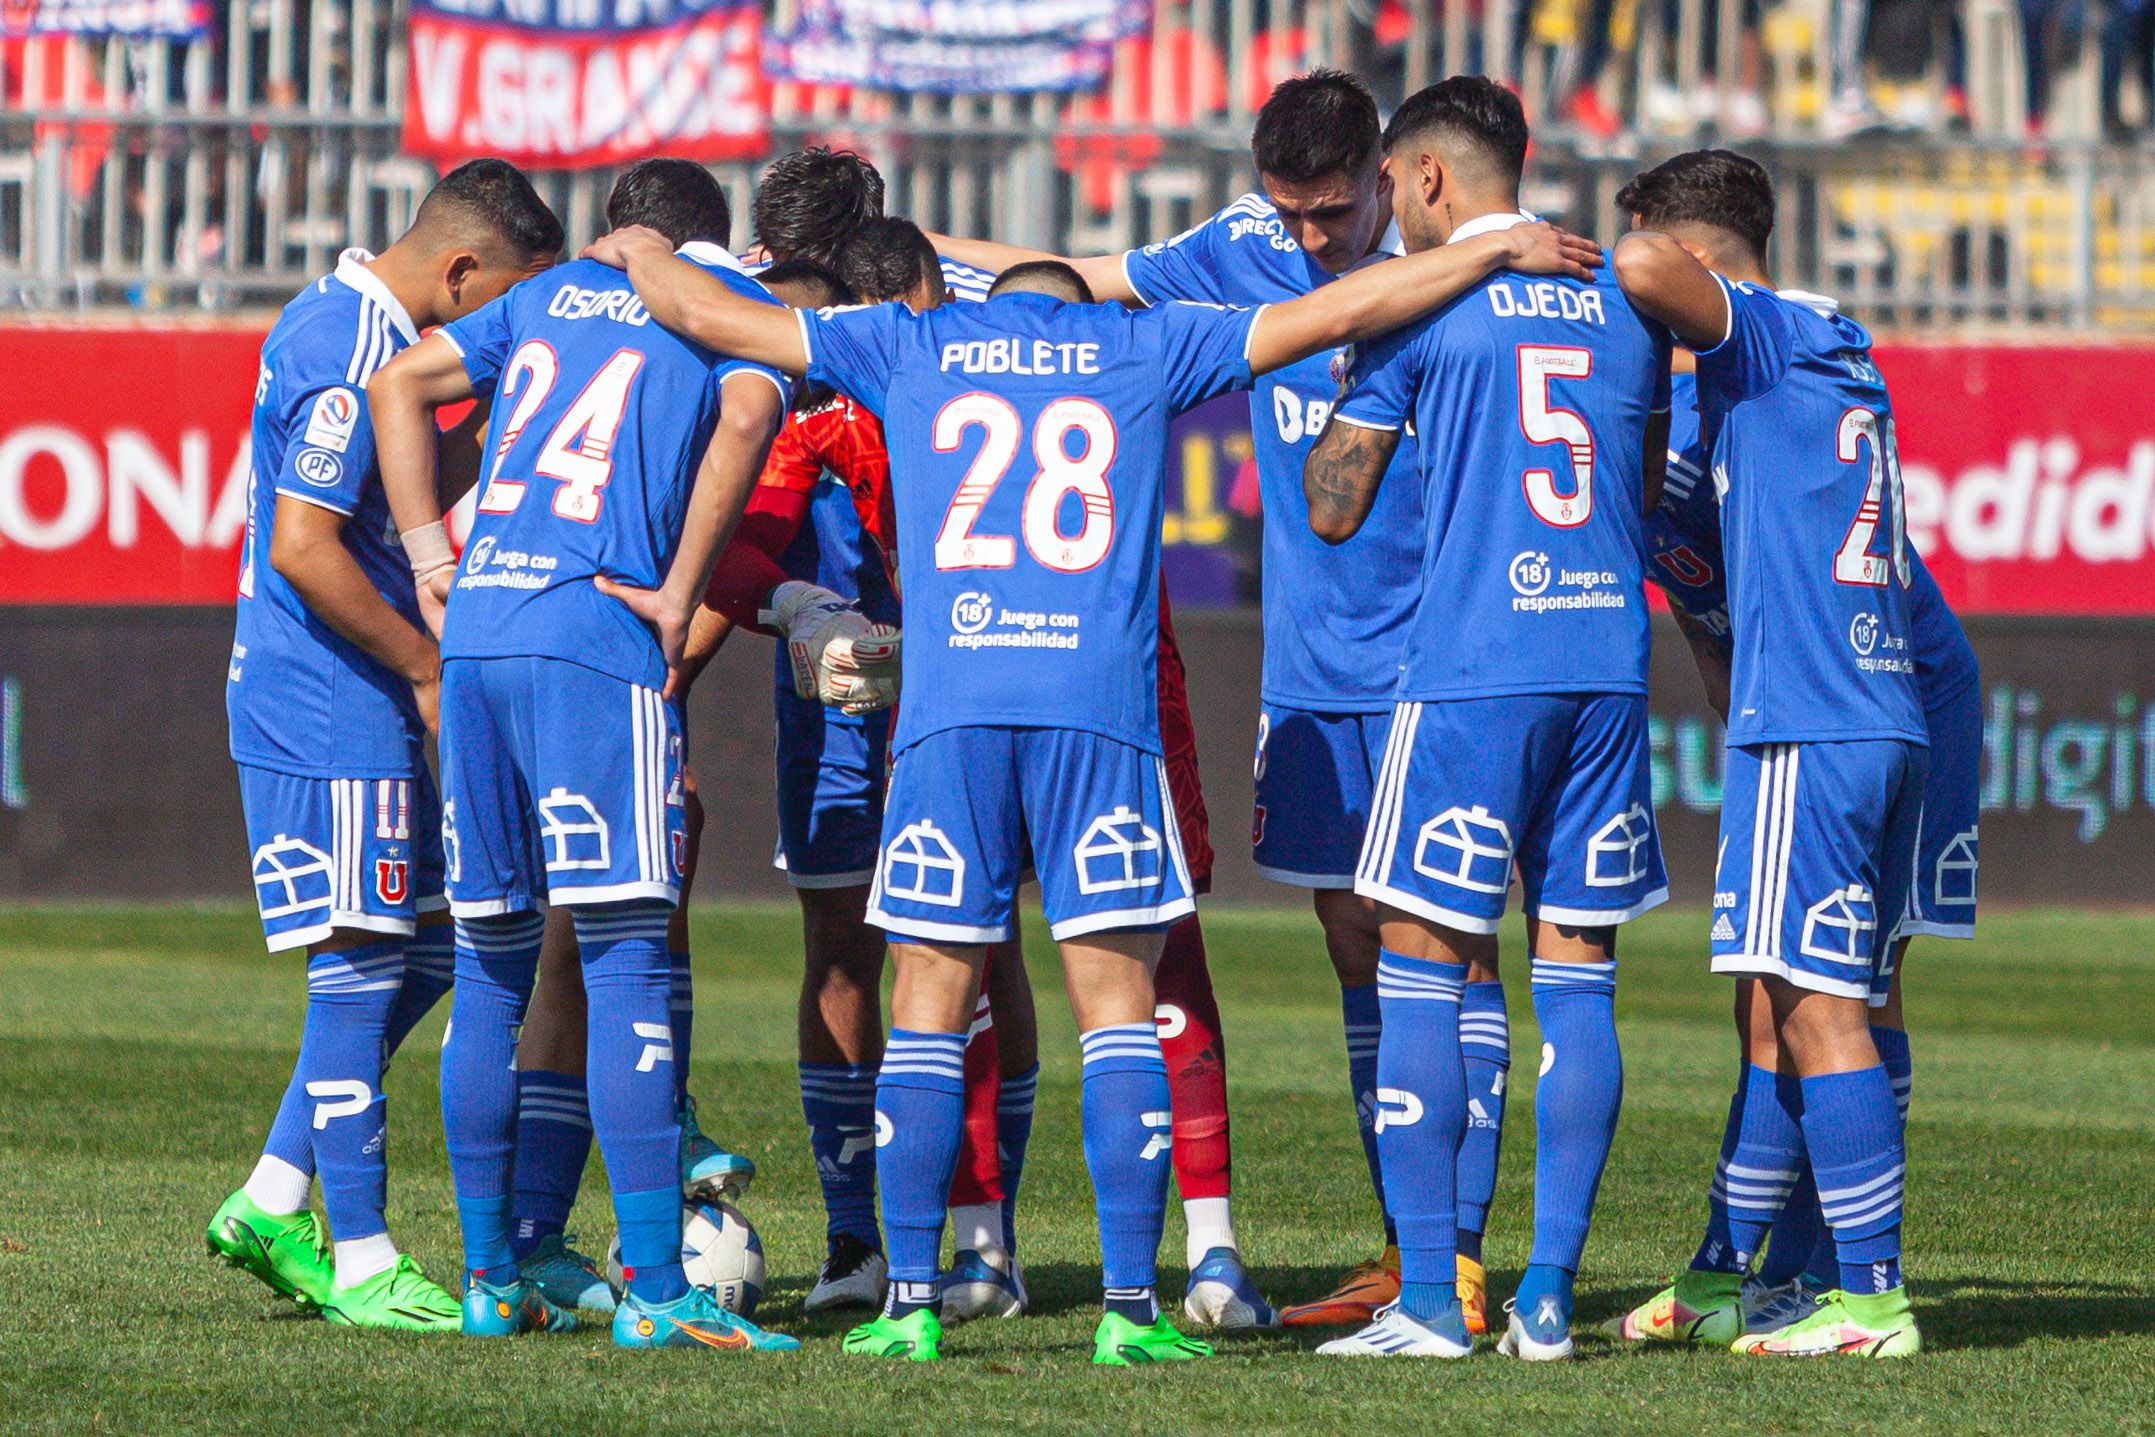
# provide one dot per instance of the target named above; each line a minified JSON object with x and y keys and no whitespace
{"x":838,"y":656}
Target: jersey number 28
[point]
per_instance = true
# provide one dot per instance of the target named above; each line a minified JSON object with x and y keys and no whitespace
{"x":958,"y":547}
{"x":1855,"y":563}
{"x":578,"y":451}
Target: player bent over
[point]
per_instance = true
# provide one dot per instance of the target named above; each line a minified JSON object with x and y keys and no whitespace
{"x":1519,"y":740}
{"x":618,"y":451}
{"x":332,"y":687}
{"x":1828,"y":749}
{"x":1031,"y":717}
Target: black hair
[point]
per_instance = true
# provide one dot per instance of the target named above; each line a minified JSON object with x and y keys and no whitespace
{"x":1319,"y":124}
{"x":1043,"y":276}
{"x":679,"y":198}
{"x":809,"y":201}
{"x":821,"y":288}
{"x":1469,"y":109}
{"x":886,"y":259}
{"x":1709,"y":187}
{"x":490,"y":198}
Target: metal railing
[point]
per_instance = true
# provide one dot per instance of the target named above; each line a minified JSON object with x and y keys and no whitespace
{"x":221,"y":175}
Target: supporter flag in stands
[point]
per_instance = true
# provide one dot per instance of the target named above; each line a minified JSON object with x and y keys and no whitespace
{"x":574,"y":84}
{"x":149,"y":19}
{"x":955,"y":47}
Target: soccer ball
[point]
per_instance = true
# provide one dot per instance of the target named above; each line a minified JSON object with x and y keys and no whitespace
{"x":719,"y":1250}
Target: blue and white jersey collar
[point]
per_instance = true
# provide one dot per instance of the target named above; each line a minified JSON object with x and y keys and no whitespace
{"x":1489,"y":225}
{"x":352,"y":272}
{"x":716,"y":256}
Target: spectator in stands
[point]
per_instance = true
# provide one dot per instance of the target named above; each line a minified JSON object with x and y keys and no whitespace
{"x":2049,"y":30}
{"x":2128,"y":39}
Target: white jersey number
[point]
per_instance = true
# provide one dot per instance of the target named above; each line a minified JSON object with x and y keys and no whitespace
{"x":578,"y":450}
{"x":1855,"y":563}
{"x":1545,"y":423}
{"x":1060,"y":475}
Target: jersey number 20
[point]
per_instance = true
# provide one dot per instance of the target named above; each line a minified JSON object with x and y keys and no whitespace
{"x":958,"y":547}
{"x":1546,"y":423}
{"x":577,"y":452}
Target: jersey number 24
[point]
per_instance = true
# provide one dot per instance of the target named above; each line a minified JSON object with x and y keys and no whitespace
{"x":578,"y":450}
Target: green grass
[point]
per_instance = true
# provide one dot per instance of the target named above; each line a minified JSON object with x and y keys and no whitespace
{"x":141,"y":1054}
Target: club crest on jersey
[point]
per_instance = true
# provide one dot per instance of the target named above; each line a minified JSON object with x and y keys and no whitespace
{"x":392,"y":880}
{"x":319,"y":467}
{"x":334,"y":417}
{"x":680,"y":852}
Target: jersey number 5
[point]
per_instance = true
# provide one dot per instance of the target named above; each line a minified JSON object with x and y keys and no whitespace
{"x":1545,"y":423}
{"x":577,"y":451}
{"x":958,"y":547}
{"x":1855,"y":563}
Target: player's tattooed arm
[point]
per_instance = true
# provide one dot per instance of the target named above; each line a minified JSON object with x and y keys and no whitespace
{"x":1341,"y":475}
{"x":307,"y":549}
{"x":696,"y":306}
{"x":1663,"y":278}
{"x":1379,"y":298}
{"x":1102,"y":273}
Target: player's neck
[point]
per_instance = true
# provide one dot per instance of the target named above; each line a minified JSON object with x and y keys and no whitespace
{"x":1461,"y":209}
{"x":411,"y":281}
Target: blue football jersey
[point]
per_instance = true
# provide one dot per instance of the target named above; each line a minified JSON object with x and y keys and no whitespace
{"x":1530,"y":398}
{"x":302,"y":699}
{"x":1683,"y":534}
{"x":1334,"y":618}
{"x":1799,"y":430}
{"x":600,"y":420}
{"x":1028,"y":448}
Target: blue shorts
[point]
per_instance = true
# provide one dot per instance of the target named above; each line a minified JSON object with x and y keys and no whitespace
{"x":1315,"y":773}
{"x":963,"y":803}
{"x":1557,"y":784}
{"x":1941,"y":899}
{"x":561,"y":784}
{"x":1817,"y":845}
{"x":831,"y":774}
{"x":334,"y":853}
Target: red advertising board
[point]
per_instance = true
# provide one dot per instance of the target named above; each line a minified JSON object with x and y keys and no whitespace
{"x":2029,"y":472}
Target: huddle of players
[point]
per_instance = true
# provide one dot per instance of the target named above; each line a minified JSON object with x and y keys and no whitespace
{"x":1412,"y":672}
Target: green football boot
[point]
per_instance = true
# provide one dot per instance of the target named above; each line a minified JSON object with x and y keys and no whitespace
{"x":1699,"y":1307}
{"x":288,"y":1254}
{"x":401,"y":1298}
{"x":1844,"y":1324}
{"x":1119,"y":1342}
{"x":915,"y":1337}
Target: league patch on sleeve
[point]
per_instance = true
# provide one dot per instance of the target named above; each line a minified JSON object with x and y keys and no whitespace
{"x":319,"y":467}
{"x":335,"y":416}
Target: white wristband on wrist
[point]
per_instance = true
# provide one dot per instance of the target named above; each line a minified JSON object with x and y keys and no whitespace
{"x":427,"y":548}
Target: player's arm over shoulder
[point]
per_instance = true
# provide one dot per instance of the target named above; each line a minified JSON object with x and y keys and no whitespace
{"x":1662,"y":278}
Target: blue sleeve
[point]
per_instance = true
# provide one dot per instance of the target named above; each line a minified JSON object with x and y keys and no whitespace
{"x":1189,"y":266}
{"x":1382,"y":382}
{"x":330,"y":451}
{"x":484,"y":338}
{"x":727,"y":368}
{"x":1204,"y":349}
{"x":1754,"y":354}
{"x":854,"y":351}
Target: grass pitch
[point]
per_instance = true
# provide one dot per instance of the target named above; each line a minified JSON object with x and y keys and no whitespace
{"x":142,"y":1052}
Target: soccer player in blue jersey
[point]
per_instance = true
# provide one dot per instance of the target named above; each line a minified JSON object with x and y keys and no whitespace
{"x":617,"y":452}
{"x":1519,"y":739}
{"x":1334,"y":616}
{"x":1030,"y":722}
{"x":1828,"y":745}
{"x":332,"y":688}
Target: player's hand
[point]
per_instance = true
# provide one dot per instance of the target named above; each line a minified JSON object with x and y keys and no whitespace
{"x":1542,"y":248}
{"x":433,"y":593}
{"x":838,"y":656}
{"x":668,"y":620}
{"x":614,"y":249}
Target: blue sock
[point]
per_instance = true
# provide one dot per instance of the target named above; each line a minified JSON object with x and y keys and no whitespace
{"x":1485,"y":1042}
{"x":630,"y":1069}
{"x":497,"y":961}
{"x":838,"y":1100}
{"x":920,"y":1105}
{"x":1893,"y":1051}
{"x":1853,"y":1130}
{"x":1799,"y":1235}
{"x":1576,"y":1100}
{"x":1420,"y":1101}
{"x":429,"y":968}
{"x":1013,"y":1131}
{"x":1126,"y":1115}
{"x":291,"y":1132}
{"x":1751,"y":1185}
{"x":1358,"y":1008}
{"x":553,"y":1142}
{"x":349,"y":996}
{"x":681,"y":1010}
